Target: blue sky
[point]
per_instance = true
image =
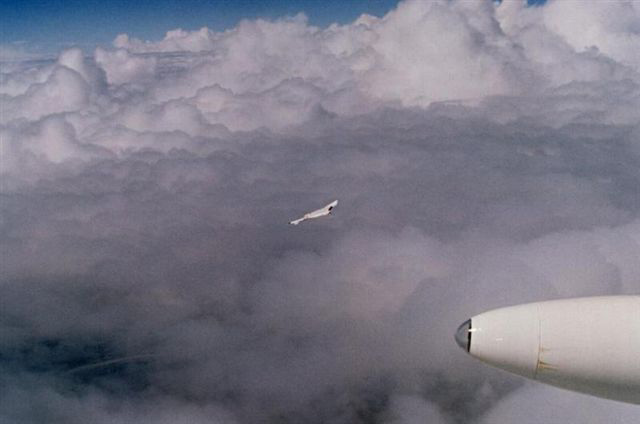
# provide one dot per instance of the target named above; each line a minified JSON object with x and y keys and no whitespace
{"x":55,"y":23}
{"x":49,"y":25}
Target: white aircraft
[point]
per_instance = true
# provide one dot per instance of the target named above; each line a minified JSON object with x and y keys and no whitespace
{"x":316,"y":214}
{"x":589,"y":345}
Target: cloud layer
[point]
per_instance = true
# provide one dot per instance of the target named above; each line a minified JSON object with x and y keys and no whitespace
{"x":483,"y":154}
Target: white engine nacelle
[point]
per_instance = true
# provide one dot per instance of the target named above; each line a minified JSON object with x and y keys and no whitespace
{"x":590,"y":345}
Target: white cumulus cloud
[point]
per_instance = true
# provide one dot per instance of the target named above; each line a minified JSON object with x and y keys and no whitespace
{"x":484,"y":154}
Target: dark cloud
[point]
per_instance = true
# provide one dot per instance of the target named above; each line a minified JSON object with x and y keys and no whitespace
{"x":146,"y":193}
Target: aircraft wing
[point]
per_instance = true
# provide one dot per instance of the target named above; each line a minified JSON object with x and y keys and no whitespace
{"x":297,"y":221}
{"x":322,"y":211}
{"x":317,"y":213}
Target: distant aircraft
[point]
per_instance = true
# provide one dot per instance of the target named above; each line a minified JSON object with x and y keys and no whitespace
{"x":590,"y":345}
{"x":317,"y":213}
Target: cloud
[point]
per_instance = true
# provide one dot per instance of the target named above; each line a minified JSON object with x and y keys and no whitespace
{"x":613,"y":31}
{"x":413,"y":410}
{"x":12,"y":53}
{"x":560,"y":406}
{"x":122,"y":67}
{"x":483,"y":154}
{"x":63,"y":91}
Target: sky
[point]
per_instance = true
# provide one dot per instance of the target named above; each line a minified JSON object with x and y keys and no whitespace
{"x":484,"y":154}
{"x":46,"y":26}
{"x":51,"y":25}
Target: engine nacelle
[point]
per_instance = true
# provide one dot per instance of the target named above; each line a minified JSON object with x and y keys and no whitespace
{"x":589,"y":345}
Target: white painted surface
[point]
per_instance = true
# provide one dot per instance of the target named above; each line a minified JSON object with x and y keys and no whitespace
{"x":590,"y":345}
{"x":507,"y":338}
{"x":324,"y":211}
